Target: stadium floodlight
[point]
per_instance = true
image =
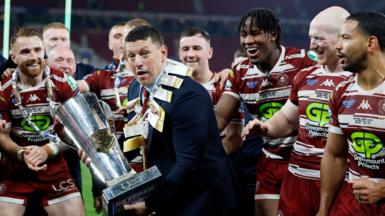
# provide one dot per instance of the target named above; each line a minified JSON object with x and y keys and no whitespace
{"x":67,"y":16}
{"x":7,"y":11}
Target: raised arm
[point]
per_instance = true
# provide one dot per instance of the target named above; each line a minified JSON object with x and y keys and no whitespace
{"x":225,"y":108}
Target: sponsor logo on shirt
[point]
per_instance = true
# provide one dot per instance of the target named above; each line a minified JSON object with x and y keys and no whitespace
{"x":381,"y":106}
{"x":319,"y":114}
{"x":251,"y":84}
{"x":367,"y":146}
{"x":41,"y":121}
{"x":366,"y":143}
{"x":267,"y":110}
{"x":283,"y":80}
{"x":311,"y":82}
{"x":347,"y":104}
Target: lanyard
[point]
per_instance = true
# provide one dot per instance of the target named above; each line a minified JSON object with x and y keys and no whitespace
{"x":118,"y":81}
{"x":24,"y":112}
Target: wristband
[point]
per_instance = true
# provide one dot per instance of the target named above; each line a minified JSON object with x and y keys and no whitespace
{"x":20,"y":155}
{"x":51,"y":149}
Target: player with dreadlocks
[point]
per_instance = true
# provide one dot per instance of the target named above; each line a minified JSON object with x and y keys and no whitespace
{"x":262,"y":82}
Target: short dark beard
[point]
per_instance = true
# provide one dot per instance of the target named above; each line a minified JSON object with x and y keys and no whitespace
{"x":357,"y":65}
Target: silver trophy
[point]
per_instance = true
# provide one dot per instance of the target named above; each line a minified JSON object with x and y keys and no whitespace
{"x":86,"y":126}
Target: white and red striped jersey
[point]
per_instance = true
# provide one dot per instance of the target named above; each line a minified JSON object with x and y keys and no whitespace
{"x":265,"y":93}
{"x":34,"y":100}
{"x":310,"y":95}
{"x":359,"y":115}
{"x":102,"y":84}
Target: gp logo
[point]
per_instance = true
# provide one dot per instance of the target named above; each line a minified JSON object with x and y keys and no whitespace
{"x":42,"y":122}
{"x":267,"y":110}
{"x":366,"y":143}
{"x":318,"y":112}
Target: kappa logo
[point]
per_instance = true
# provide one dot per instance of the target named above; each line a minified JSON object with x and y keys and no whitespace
{"x":265,"y":83}
{"x":365,"y":105}
{"x":33,"y":98}
{"x":328,"y":83}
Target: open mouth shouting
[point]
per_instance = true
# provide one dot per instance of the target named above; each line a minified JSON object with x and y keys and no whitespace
{"x":252,"y":51}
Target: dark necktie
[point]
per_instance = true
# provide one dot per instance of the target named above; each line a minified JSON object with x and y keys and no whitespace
{"x":146,"y":98}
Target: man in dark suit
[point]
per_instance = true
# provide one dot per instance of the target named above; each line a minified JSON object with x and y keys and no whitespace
{"x":182,"y":137}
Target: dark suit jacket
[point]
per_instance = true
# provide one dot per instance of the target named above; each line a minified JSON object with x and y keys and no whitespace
{"x":197,"y":176}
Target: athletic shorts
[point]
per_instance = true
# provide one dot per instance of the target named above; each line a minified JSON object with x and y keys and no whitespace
{"x":269,"y":177}
{"x":347,"y":204}
{"x":53,"y":185}
{"x":299,"y":196}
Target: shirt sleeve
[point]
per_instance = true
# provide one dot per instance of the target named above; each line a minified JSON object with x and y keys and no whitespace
{"x":232,"y":83}
{"x":92,"y":81}
{"x":297,"y":83}
{"x":69,"y":88}
{"x":333,"y":112}
{"x":4,"y":107}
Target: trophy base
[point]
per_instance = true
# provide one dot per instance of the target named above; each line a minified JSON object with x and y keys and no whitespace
{"x":130,"y":190}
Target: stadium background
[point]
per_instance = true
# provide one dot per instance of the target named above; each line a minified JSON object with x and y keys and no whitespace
{"x":92,"y":19}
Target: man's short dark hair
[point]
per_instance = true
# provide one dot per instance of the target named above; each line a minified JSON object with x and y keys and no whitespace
{"x":25,"y":32}
{"x":371,"y":24}
{"x":192,"y":31}
{"x":143,"y":33}
{"x":265,"y":20}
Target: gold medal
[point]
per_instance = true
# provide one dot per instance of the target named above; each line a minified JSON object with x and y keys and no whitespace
{"x":163,"y":94}
{"x":171,"y":81}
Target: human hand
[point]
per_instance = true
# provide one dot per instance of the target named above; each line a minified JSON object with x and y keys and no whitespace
{"x":98,"y":204}
{"x":221,"y":77}
{"x":366,"y":190}
{"x":6,"y":73}
{"x":3,"y":125}
{"x":321,"y":213}
{"x":137,"y":209}
{"x":120,"y":110}
{"x":35,"y":157}
{"x":254,"y":127}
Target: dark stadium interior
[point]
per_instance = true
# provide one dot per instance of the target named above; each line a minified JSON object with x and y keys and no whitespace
{"x":91,"y":20}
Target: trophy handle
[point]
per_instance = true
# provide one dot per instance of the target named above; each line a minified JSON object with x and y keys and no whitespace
{"x":64,"y":136}
{"x":109,"y":115}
